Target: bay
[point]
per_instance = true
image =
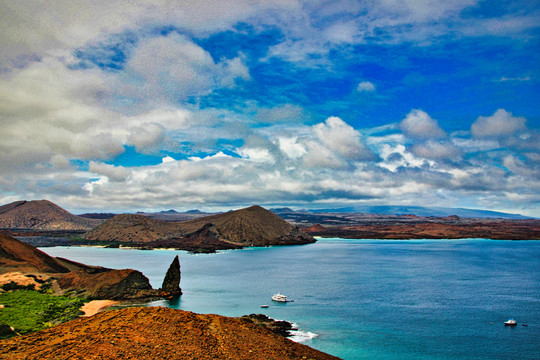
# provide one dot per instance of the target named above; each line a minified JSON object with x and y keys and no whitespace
{"x":366,"y":299}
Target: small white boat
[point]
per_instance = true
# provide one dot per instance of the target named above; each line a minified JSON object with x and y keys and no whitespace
{"x":264,"y":306}
{"x":280,"y":298}
{"x":510,"y":322}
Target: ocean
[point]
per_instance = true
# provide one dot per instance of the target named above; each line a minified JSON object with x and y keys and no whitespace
{"x":365,"y":299}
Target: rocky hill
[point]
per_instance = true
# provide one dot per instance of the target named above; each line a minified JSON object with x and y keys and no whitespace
{"x":132,"y":228}
{"x":24,"y":264}
{"x":253,"y":226}
{"x":42,"y":215}
{"x":156,"y":333}
{"x":315,"y":229}
{"x":16,"y":256}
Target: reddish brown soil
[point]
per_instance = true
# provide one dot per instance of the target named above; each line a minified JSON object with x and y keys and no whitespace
{"x":503,"y":229}
{"x":315,"y":229}
{"x":156,"y":333}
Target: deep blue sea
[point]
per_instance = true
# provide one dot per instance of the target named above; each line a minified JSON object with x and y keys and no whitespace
{"x":366,"y":299}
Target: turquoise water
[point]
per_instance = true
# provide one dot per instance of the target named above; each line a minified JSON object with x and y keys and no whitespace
{"x":367,"y":299}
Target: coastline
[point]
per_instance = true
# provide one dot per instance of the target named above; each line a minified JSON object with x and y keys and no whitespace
{"x":93,"y":307}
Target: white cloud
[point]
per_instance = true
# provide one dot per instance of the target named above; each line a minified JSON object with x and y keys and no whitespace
{"x":419,"y":125}
{"x":256,"y":154}
{"x":366,"y":86}
{"x":320,"y":156}
{"x":501,"y":123}
{"x":519,"y":78}
{"x":436,"y":150}
{"x":114,"y":173}
{"x":46,"y":109}
{"x":286,"y":113}
{"x":341,"y":32}
{"x":28,"y":28}
{"x":343,"y":139}
{"x":145,"y":137}
{"x":54,"y":121}
{"x":172,"y":68}
{"x":290,"y":147}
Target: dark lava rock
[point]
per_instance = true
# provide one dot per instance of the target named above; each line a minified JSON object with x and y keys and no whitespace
{"x":6,"y":331}
{"x":279,"y":327}
{"x":171,"y":283}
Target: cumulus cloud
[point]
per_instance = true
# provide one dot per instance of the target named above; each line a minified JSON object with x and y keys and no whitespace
{"x":320,"y":156}
{"x":436,"y":150}
{"x":291,"y":147}
{"x":173,"y":67}
{"x":256,"y":154}
{"x":365,"y":86}
{"x":31,"y":30}
{"x":501,"y":123}
{"x":419,"y":125}
{"x":114,"y":173}
{"x":343,"y":139}
{"x":64,"y":120}
{"x":46,"y":109}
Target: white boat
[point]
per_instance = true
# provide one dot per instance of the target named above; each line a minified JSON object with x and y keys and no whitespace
{"x":510,"y":322}
{"x":264,"y":306}
{"x":280,"y":298}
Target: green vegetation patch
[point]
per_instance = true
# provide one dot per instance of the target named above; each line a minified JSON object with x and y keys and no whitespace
{"x":28,"y":310}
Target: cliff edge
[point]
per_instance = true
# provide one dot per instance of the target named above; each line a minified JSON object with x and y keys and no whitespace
{"x":156,"y":333}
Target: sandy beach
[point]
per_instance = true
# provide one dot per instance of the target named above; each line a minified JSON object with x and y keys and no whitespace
{"x":94,"y":306}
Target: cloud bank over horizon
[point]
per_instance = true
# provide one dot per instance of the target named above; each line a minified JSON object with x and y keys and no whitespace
{"x":155,"y":105}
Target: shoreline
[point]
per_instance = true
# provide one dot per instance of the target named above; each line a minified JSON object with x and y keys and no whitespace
{"x":94,"y":306}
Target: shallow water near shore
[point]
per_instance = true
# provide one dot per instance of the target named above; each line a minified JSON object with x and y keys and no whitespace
{"x":366,"y":299}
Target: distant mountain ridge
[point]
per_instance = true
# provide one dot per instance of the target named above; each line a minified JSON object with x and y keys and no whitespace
{"x":413,"y":210}
{"x":42,"y":215}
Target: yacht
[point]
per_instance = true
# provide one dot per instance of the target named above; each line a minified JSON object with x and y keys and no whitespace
{"x":279,"y":298}
{"x":510,"y":322}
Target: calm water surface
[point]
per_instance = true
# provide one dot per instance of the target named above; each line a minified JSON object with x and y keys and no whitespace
{"x":366,"y":299}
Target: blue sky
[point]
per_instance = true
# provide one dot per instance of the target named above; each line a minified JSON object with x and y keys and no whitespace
{"x":309,"y":104}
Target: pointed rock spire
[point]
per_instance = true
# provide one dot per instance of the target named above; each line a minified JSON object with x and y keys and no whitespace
{"x":171,"y":283}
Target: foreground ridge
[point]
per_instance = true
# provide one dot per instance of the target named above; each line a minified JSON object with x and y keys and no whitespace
{"x":156,"y":333}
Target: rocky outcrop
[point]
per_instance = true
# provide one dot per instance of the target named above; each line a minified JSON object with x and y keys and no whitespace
{"x":108,"y":284}
{"x":27,"y":262}
{"x":279,"y":327}
{"x":42,"y":215}
{"x":171,"y":282}
{"x":156,"y":333}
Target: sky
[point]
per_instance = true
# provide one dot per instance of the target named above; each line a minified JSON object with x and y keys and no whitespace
{"x":150,"y":105}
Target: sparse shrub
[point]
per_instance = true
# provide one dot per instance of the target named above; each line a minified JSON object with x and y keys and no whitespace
{"x":12,"y":285}
{"x":29,"y":310}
